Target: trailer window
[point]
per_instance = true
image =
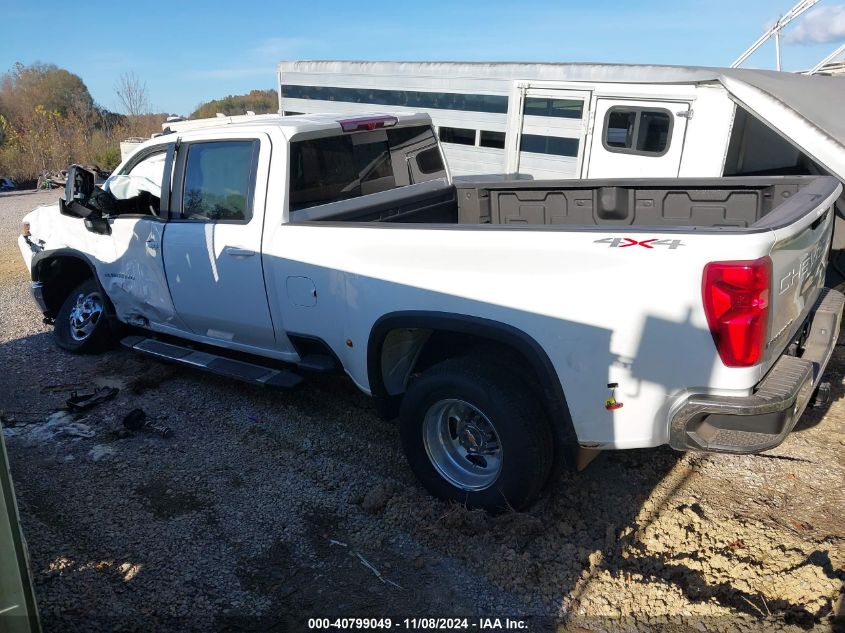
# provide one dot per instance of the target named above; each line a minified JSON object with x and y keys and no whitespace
{"x":556,"y":145}
{"x":334,"y":168}
{"x":492,"y":139}
{"x":637,"y":130}
{"x":561,"y":108}
{"x":406,"y":98}
{"x":620,"y":129}
{"x":457,"y":135}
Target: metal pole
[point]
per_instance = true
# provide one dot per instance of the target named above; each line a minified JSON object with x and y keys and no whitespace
{"x":777,"y":49}
{"x":790,"y":15}
{"x":751,"y":50}
{"x":827,"y":59}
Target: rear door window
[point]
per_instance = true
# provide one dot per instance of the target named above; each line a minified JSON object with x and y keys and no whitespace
{"x":335,"y":168}
{"x":218,"y":181}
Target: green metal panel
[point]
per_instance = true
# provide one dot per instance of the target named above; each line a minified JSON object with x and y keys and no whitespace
{"x":18,"y":612}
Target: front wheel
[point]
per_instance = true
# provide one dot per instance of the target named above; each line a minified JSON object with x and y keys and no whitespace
{"x":82,"y":323}
{"x":473,"y":433}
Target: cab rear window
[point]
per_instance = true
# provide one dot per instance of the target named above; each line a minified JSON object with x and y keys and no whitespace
{"x":330,"y":169}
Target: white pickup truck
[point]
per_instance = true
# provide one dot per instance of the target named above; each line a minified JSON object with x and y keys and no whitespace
{"x":505,"y":322}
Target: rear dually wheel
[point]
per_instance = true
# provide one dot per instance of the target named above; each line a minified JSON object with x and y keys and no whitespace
{"x":474,"y":433}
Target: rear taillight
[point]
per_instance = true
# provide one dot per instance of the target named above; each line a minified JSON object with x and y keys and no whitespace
{"x":736,"y":302}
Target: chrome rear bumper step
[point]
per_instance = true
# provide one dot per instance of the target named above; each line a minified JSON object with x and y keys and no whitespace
{"x":220,"y":365}
{"x":762,"y":420}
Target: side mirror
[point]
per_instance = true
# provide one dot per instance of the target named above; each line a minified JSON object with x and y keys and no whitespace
{"x":79,"y":188}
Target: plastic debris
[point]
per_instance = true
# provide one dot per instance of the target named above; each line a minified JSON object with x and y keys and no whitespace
{"x":136,"y":420}
{"x":101,"y":451}
{"x":57,"y":426}
{"x":84,"y":401}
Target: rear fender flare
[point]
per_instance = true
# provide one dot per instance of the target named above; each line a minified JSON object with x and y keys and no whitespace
{"x":521,"y":342}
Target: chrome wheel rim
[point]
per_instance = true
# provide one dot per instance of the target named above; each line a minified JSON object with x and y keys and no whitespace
{"x":462,"y":444}
{"x":85,"y":315}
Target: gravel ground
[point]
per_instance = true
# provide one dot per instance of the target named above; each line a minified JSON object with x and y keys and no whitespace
{"x":264,"y":507}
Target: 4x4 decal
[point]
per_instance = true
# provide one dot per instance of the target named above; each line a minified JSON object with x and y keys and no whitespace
{"x":624,"y":242}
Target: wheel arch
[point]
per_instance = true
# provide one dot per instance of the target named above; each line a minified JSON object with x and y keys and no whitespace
{"x":60,"y":271}
{"x":426,"y":325}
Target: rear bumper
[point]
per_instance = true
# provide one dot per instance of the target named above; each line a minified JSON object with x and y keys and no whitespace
{"x":750,"y":424}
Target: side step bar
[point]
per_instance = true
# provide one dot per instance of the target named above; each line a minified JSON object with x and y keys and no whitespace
{"x":237,"y":369}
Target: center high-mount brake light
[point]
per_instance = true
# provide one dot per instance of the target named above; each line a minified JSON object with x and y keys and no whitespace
{"x":736,"y":301}
{"x":365,"y":123}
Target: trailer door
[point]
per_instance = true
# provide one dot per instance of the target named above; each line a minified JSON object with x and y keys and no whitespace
{"x":637,"y":138}
{"x":551,"y":126}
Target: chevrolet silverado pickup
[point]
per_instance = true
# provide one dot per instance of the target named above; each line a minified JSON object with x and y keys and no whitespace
{"x":506,"y":323}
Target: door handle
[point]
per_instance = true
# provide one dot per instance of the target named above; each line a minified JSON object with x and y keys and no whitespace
{"x":239,"y":252}
{"x":152,"y":243}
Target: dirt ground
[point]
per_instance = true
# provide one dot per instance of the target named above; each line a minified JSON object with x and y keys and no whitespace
{"x":268,"y":508}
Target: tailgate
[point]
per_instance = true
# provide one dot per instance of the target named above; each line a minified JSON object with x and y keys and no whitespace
{"x":799,"y":259}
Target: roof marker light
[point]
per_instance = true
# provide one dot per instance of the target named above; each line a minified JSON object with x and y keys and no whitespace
{"x":366,"y":123}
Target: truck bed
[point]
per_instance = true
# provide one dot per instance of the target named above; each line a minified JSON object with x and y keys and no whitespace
{"x":715,"y":203}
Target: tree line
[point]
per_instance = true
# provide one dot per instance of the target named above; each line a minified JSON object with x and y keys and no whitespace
{"x":258,"y":101}
{"x":49,"y":120}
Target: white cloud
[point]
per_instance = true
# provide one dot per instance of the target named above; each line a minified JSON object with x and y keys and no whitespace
{"x":275,"y":49}
{"x":233,"y":73}
{"x":261,"y":60}
{"x":818,"y":26}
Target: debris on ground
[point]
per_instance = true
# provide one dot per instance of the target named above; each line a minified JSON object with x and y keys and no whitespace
{"x":376,"y":499}
{"x":136,"y":420}
{"x":378,"y":574}
{"x":83,"y":401}
{"x":101,"y":451}
{"x":58,"y":426}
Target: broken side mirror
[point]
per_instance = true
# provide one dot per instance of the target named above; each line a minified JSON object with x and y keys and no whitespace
{"x":80,"y":189}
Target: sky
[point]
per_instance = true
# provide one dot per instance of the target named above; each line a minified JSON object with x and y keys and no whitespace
{"x":189,"y":52}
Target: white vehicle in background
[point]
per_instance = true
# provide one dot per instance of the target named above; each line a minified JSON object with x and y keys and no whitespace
{"x":506,"y":322}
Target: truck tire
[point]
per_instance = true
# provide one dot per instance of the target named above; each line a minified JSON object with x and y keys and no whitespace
{"x":473,"y":433}
{"x":82,"y":324}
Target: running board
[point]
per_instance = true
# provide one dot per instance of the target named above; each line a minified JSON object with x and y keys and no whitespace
{"x":237,"y":369}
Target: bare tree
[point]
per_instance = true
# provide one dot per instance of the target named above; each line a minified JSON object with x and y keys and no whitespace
{"x":132,"y":93}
